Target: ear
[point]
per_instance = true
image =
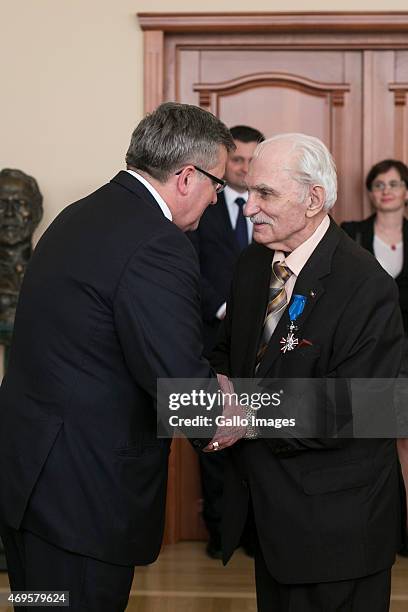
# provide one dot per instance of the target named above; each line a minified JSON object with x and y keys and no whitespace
{"x":317,"y":199}
{"x":184,"y":180}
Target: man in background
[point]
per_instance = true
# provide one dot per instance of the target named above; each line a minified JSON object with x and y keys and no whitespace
{"x":109,"y":303}
{"x":223,"y":233}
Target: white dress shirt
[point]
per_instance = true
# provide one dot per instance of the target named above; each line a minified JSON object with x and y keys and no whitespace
{"x":295,"y":261}
{"x":230,"y":196}
{"x":233,"y":209}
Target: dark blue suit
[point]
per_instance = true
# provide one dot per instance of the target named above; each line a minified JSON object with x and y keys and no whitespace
{"x":218,"y":252}
{"x":110,"y":302}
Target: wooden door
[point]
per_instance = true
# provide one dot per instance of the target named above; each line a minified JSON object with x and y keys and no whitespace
{"x":341,"y":77}
{"x":317,"y":92}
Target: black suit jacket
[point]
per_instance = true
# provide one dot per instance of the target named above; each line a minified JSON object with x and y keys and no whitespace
{"x":363,"y":233}
{"x":110,"y":302}
{"x":218,"y":251}
{"x":325,"y":510}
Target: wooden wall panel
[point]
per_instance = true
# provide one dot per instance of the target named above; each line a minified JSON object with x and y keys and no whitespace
{"x":400,"y":90}
{"x":401,"y":66}
{"x":350,"y":184}
{"x":378,"y":109}
{"x":188,"y":72}
{"x":378,"y":117}
{"x":153,"y":69}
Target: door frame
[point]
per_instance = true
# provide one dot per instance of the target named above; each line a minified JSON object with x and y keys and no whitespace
{"x":306,"y":30}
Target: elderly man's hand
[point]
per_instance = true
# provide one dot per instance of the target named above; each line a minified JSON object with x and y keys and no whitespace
{"x":229,"y":434}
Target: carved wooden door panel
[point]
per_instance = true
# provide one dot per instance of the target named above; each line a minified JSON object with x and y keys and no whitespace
{"x":313,"y":91}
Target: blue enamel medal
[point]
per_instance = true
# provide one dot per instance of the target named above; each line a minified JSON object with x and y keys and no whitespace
{"x":296,"y":308}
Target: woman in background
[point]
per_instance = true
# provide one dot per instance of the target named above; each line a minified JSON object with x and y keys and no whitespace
{"x":385,"y":235}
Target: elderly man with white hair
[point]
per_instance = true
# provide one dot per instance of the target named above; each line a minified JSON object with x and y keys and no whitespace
{"x":307,"y":302}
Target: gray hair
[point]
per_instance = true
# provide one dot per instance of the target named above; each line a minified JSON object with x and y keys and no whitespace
{"x":175,"y":135}
{"x":315,"y":164}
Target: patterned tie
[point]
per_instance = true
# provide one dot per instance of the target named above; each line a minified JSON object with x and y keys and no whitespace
{"x":241,"y":228}
{"x":277,"y":302}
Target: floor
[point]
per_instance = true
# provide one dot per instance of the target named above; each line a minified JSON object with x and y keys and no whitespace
{"x":184,"y":579}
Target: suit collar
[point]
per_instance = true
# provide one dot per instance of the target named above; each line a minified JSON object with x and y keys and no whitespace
{"x":404,"y":271}
{"x":366,"y":237}
{"x":309,"y":284}
{"x":160,"y":201}
{"x":131,"y":183}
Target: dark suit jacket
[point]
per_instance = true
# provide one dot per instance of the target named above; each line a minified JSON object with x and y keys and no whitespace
{"x":325,"y":510}
{"x":110,"y":302}
{"x":363,"y":233}
{"x":218,"y":251}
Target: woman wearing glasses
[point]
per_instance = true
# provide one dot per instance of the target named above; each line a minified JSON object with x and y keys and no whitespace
{"x":385,"y":234}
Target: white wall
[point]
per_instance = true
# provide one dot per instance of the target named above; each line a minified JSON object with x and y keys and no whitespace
{"x":72,"y":83}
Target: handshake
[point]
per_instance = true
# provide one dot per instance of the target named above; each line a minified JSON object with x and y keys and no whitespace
{"x":233,"y":413}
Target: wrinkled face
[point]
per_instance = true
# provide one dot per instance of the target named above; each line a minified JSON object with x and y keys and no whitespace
{"x":238,"y":165}
{"x":202,"y":193}
{"x":17,"y":212}
{"x":388,"y":192}
{"x":277,"y":203}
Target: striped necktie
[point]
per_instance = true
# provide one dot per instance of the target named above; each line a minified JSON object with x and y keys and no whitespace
{"x":276,"y":303}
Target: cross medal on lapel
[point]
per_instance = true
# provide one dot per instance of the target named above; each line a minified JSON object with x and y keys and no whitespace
{"x":290,"y":342}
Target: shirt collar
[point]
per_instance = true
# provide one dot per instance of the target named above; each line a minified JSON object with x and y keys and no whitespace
{"x":231,"y":195}
{"x":297,"y":259}
{"x":165,"y":209}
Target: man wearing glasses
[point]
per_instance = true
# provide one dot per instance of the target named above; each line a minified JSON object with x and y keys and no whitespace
{"x":109,"y":303}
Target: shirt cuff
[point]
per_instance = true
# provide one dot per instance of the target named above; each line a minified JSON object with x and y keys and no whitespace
{"x":220,"y":314}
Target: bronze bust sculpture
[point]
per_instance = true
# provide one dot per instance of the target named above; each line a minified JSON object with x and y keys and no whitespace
{"x":20,"y":213}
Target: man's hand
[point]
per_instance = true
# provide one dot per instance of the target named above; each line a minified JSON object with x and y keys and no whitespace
{"x":227,"y":435}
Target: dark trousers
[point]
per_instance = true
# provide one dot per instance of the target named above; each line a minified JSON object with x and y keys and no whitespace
{"x":212,"y":483}
{"x":371,"y":593}
{"x":36,"y":565}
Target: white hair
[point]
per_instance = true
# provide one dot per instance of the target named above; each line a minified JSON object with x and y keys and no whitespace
{"x":315,"y":164}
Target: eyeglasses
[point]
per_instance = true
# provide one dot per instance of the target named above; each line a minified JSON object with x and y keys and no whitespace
{"x":392,"y":185}
{"x":219,"y":183}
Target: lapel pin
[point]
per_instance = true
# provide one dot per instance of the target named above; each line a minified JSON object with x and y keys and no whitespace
{"x":313,"y":293}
